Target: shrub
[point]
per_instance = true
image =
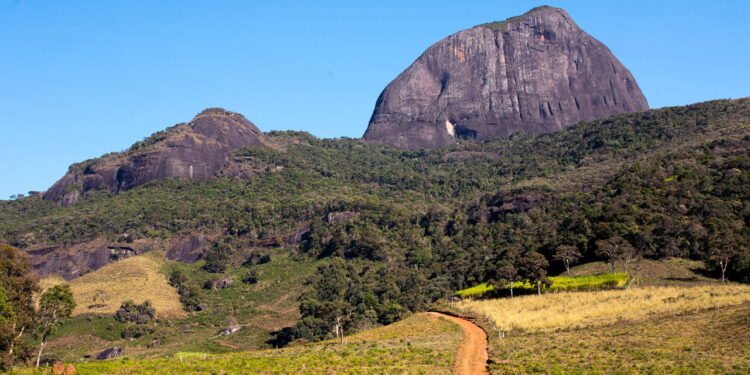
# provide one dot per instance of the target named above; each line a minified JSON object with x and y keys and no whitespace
{"x":135,"y":331}
{"x":135,"y":313}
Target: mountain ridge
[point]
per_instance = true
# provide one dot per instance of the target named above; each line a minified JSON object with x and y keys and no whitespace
{"x":194,"y":150}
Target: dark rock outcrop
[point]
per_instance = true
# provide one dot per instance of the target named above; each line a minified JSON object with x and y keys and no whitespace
{"x":188,"y":249}
{"x":71,"y":261}
{"x":155,"y":343}
{"x":197,"y":150}
{"x":109,"y":353}
{"x":343,"y":216}
{"x":538,"y":72}
{"x":222,"y":283}
{"x":231,"y":330}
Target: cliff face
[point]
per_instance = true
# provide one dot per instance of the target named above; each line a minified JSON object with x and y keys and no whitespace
{"x":196,"y":150}
{"x":538,"y":72}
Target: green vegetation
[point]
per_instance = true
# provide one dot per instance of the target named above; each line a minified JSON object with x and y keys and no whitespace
{"x":557,"y":284}
{"x":418,"y":345}
{"x":266,"y":306}
{"x":673,"y":182}
{"x":476,"y":291}
{"x":595,"y":282}
{"x":55,"y":304}
{"x":18,"y":315}
{"x":500,"y":25}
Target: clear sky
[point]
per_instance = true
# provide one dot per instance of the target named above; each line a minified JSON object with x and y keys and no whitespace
{"x":82,"y":78}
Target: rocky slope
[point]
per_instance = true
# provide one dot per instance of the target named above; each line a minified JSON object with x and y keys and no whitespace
{"x":538,"y":72}
{"x":196,"y":150}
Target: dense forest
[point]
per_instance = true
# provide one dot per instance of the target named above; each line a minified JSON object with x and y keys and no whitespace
{"x":404,"y":228}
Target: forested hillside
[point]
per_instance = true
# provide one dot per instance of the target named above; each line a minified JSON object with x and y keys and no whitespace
{"x":403,"y":228}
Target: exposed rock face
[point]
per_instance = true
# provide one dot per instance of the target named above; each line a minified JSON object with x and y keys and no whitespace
{"x":343,"y":216}
{"x":538,"y":73}
{"x":222,"y":283}
{"x":188,"y":249}
{"x":109,"y":353}
{"x":71,"y":261}
{"x":195,"y":150}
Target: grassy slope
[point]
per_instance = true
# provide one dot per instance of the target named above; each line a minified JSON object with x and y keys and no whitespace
{"x":714,"y":341}
{"x":554,"y":311}
{"x":417,"y":345}
{"x":138,"y":278}
{"x":675,"y":322}
{"x":269,"y":305}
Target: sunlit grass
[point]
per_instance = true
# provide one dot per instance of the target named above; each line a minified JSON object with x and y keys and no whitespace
{"x":558,"y":284}
{"x":138,"y":278}
{"x":571,"y":310}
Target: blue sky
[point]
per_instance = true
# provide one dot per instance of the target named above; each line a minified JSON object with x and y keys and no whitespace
{"x":82,"y":78}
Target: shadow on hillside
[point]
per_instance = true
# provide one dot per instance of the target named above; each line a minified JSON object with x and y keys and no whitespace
{"x":281,"y":338}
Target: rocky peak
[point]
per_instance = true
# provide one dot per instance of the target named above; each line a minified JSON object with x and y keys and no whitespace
{"x":538,"y":72}
{"x":195,"y":150}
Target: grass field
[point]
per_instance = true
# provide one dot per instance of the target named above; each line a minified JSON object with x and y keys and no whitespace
{"x":701,"y":328}
{"x":138,"y":278}
{"x":714,"y":341}
{"x":555,"y":311}
{"x":420,"y":344}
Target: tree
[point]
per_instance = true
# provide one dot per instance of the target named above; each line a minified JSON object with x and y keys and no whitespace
{"x":55,"y":305}
{"x":18,"y":311}
{"x":217,"y":259}
{"x":616,"y":249}
{"x":533,"y":267}
{"x":505,"y":274}
{"x":721,"y":250}
{"x":568,"y":255}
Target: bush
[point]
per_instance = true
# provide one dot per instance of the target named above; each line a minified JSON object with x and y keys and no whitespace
{"x":135,"y":313}
{"x":135,"y":331}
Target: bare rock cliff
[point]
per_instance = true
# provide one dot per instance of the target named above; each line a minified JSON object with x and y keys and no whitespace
{"x":196,"y":150}
{"x":538,"y":72}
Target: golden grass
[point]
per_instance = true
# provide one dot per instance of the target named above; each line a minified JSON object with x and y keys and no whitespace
{"x":554,"y":311}
{"x":138,"y":278}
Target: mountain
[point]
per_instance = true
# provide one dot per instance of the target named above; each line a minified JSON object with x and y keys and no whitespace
{"x":538,"y":73}
{"x":382,"y":232}
{"x":196,"y":150}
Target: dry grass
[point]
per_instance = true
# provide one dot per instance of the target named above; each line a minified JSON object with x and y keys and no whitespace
{"x":707,"y":342}
{"x":138,"y":278}
{"x":550,"y":312}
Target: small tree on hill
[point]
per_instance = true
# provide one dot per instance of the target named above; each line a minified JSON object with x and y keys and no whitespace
{"x":568,"y":255}
{"x":55,"y":305}
{"x":533,"y":267}
{"x":617,"y":249}
{"x":505,"y":274}
{"x":721,"y":250}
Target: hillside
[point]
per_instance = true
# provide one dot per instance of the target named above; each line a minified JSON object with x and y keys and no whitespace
{"x":138,"y":279}
{"x":672,"y":330}
{"x":421,"y":344}
{"x":372,"y":233}
{"x":268,"y":304}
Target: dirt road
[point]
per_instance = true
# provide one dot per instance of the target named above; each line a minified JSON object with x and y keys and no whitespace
{"x":472,"y":353}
